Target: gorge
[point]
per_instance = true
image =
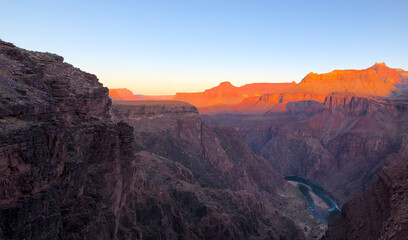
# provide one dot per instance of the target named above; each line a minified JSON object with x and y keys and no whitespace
{"x":77,"y":163}
{"x":72,"y":169}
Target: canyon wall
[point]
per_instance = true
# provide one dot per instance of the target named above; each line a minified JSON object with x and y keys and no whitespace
{"x":380,"y":212}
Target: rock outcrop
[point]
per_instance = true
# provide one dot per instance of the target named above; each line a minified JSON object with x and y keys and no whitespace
{"x":63,"y":163}
{"x":380,"y":212}
{"x":123,"y":94}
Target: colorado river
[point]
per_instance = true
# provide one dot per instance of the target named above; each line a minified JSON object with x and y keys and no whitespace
{"x":309,"y":188}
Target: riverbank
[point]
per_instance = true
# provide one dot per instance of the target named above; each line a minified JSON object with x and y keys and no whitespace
{"x":319,"y":203}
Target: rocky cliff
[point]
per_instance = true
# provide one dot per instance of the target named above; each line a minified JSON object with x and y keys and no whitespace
{"x":63,"y":163}
{"x":380,"y":212}
{"x":123,"y":94}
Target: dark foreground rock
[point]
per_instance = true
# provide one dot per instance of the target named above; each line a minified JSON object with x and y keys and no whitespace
{"x":63,"y":163}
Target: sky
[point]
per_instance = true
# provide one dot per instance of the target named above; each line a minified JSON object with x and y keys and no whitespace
{"x":160,"y":47}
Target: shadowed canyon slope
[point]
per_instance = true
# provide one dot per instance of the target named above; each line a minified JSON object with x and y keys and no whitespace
{"x":380,"y":212}
{"x":64,"y":164}
{"x":69,"y":172}
{"x":341,"y":146}
{"x":219,"y":159}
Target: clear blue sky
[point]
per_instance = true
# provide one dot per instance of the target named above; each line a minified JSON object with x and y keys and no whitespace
{"x":161,"y":47}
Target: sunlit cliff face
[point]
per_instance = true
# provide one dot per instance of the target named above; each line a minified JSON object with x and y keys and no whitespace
{"x":123,"y":94}
{"x":227,"y":94}
{"x":378,"y":80}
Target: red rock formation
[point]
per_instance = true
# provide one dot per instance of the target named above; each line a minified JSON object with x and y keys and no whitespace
{"x":275,"y":102}
{"x":227,"y":94}
{"x":157,"y":97}
{"x":403,"y":73}
{"x":380,"y":212}
{"x":378,"y":80}
{"x":123,"y":94}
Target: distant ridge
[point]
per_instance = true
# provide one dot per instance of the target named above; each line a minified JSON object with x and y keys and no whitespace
{"x":227,"y":94}
{"x":378,"y":80}
{"x":124,"y":94}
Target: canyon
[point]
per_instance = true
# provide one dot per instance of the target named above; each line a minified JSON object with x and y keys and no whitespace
{"x":341,"y":137}
{"x":72,"y":168}
{"x":222,"y":167}
{"x":79,"y":161}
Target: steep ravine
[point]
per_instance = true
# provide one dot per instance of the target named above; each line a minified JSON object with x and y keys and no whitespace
{"x":218,"y":159}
